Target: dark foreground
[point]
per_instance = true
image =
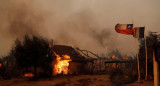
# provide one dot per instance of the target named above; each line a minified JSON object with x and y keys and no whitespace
{"x":81,"y":80}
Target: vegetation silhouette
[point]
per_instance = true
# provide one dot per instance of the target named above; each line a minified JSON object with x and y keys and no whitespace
{"x":33,"y":51}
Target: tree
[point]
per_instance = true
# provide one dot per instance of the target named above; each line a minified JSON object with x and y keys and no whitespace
{"x":8,"y":67}
{"x":142,"y":56}
{"x":33,"y":51}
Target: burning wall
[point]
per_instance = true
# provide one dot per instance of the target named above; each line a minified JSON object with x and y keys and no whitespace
{"x":62,"y":64}
{"x":67,"y":61}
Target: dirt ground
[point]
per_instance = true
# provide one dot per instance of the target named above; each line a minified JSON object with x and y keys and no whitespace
{"x":81,"y":80}
{"x":143,"y":83}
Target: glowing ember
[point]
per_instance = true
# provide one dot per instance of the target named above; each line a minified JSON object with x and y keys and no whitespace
{"x":114,"y":57}
{"x":28,"y":75}
{"x":0,"y":65}
{"x":62,"y":64}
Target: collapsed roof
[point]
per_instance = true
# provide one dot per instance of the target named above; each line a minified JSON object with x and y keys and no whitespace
{"x":68,"y":50}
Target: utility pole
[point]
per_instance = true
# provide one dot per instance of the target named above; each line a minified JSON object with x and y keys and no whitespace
{"x":155,"y":59}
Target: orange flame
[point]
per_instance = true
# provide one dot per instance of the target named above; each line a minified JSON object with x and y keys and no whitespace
{"x":62,"y":64}
{"x":28,"y":75}
{"x":0,"y":65}
{"x":114,"y":57}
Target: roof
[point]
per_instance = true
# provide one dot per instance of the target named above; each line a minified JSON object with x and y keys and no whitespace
{"x":67,"y":50}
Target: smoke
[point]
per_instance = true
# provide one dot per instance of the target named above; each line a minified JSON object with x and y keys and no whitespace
{"x":85,"y":24}
{"x":17,"y":19}
{"x":82,"y":30}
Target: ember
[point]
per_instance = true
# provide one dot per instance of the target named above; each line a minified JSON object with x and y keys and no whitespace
{"x":28,"y":75}
{"x":62,"y":64}
{"x":114,"y":57}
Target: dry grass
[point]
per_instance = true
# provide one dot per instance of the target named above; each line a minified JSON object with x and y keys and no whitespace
{"x":82,"y":80}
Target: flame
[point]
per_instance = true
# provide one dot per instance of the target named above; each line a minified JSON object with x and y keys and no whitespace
{"x":0,"y":65}
{"x":28,"y":75}
{"x":114,"y":57}
{"x":62,"y":64}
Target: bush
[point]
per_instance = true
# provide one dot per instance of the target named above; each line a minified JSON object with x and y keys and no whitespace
{"x":117,"y":77}
{"x":33,"y":51}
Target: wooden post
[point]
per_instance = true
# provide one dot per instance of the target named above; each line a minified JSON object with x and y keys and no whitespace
{"x":146,"y":54}
{"x":139,"y":77}
{"x":155,"y":70}
{"x":155,"y":63}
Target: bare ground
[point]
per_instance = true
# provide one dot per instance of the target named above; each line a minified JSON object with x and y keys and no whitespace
{"x":82,"y":80}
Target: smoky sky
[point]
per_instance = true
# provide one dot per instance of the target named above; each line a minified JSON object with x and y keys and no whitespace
{"x":87,"y":24}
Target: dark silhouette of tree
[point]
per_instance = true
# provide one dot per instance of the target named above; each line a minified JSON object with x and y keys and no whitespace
{"x":33,"y":51}
{"x":8,"y":67}
{"x":142,"y":54}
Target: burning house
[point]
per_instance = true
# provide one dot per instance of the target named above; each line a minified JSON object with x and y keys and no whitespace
{"x":70,"y":61}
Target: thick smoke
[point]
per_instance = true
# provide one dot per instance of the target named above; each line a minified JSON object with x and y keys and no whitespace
{"x":87,"y":24}
{"x":17,"y":19}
